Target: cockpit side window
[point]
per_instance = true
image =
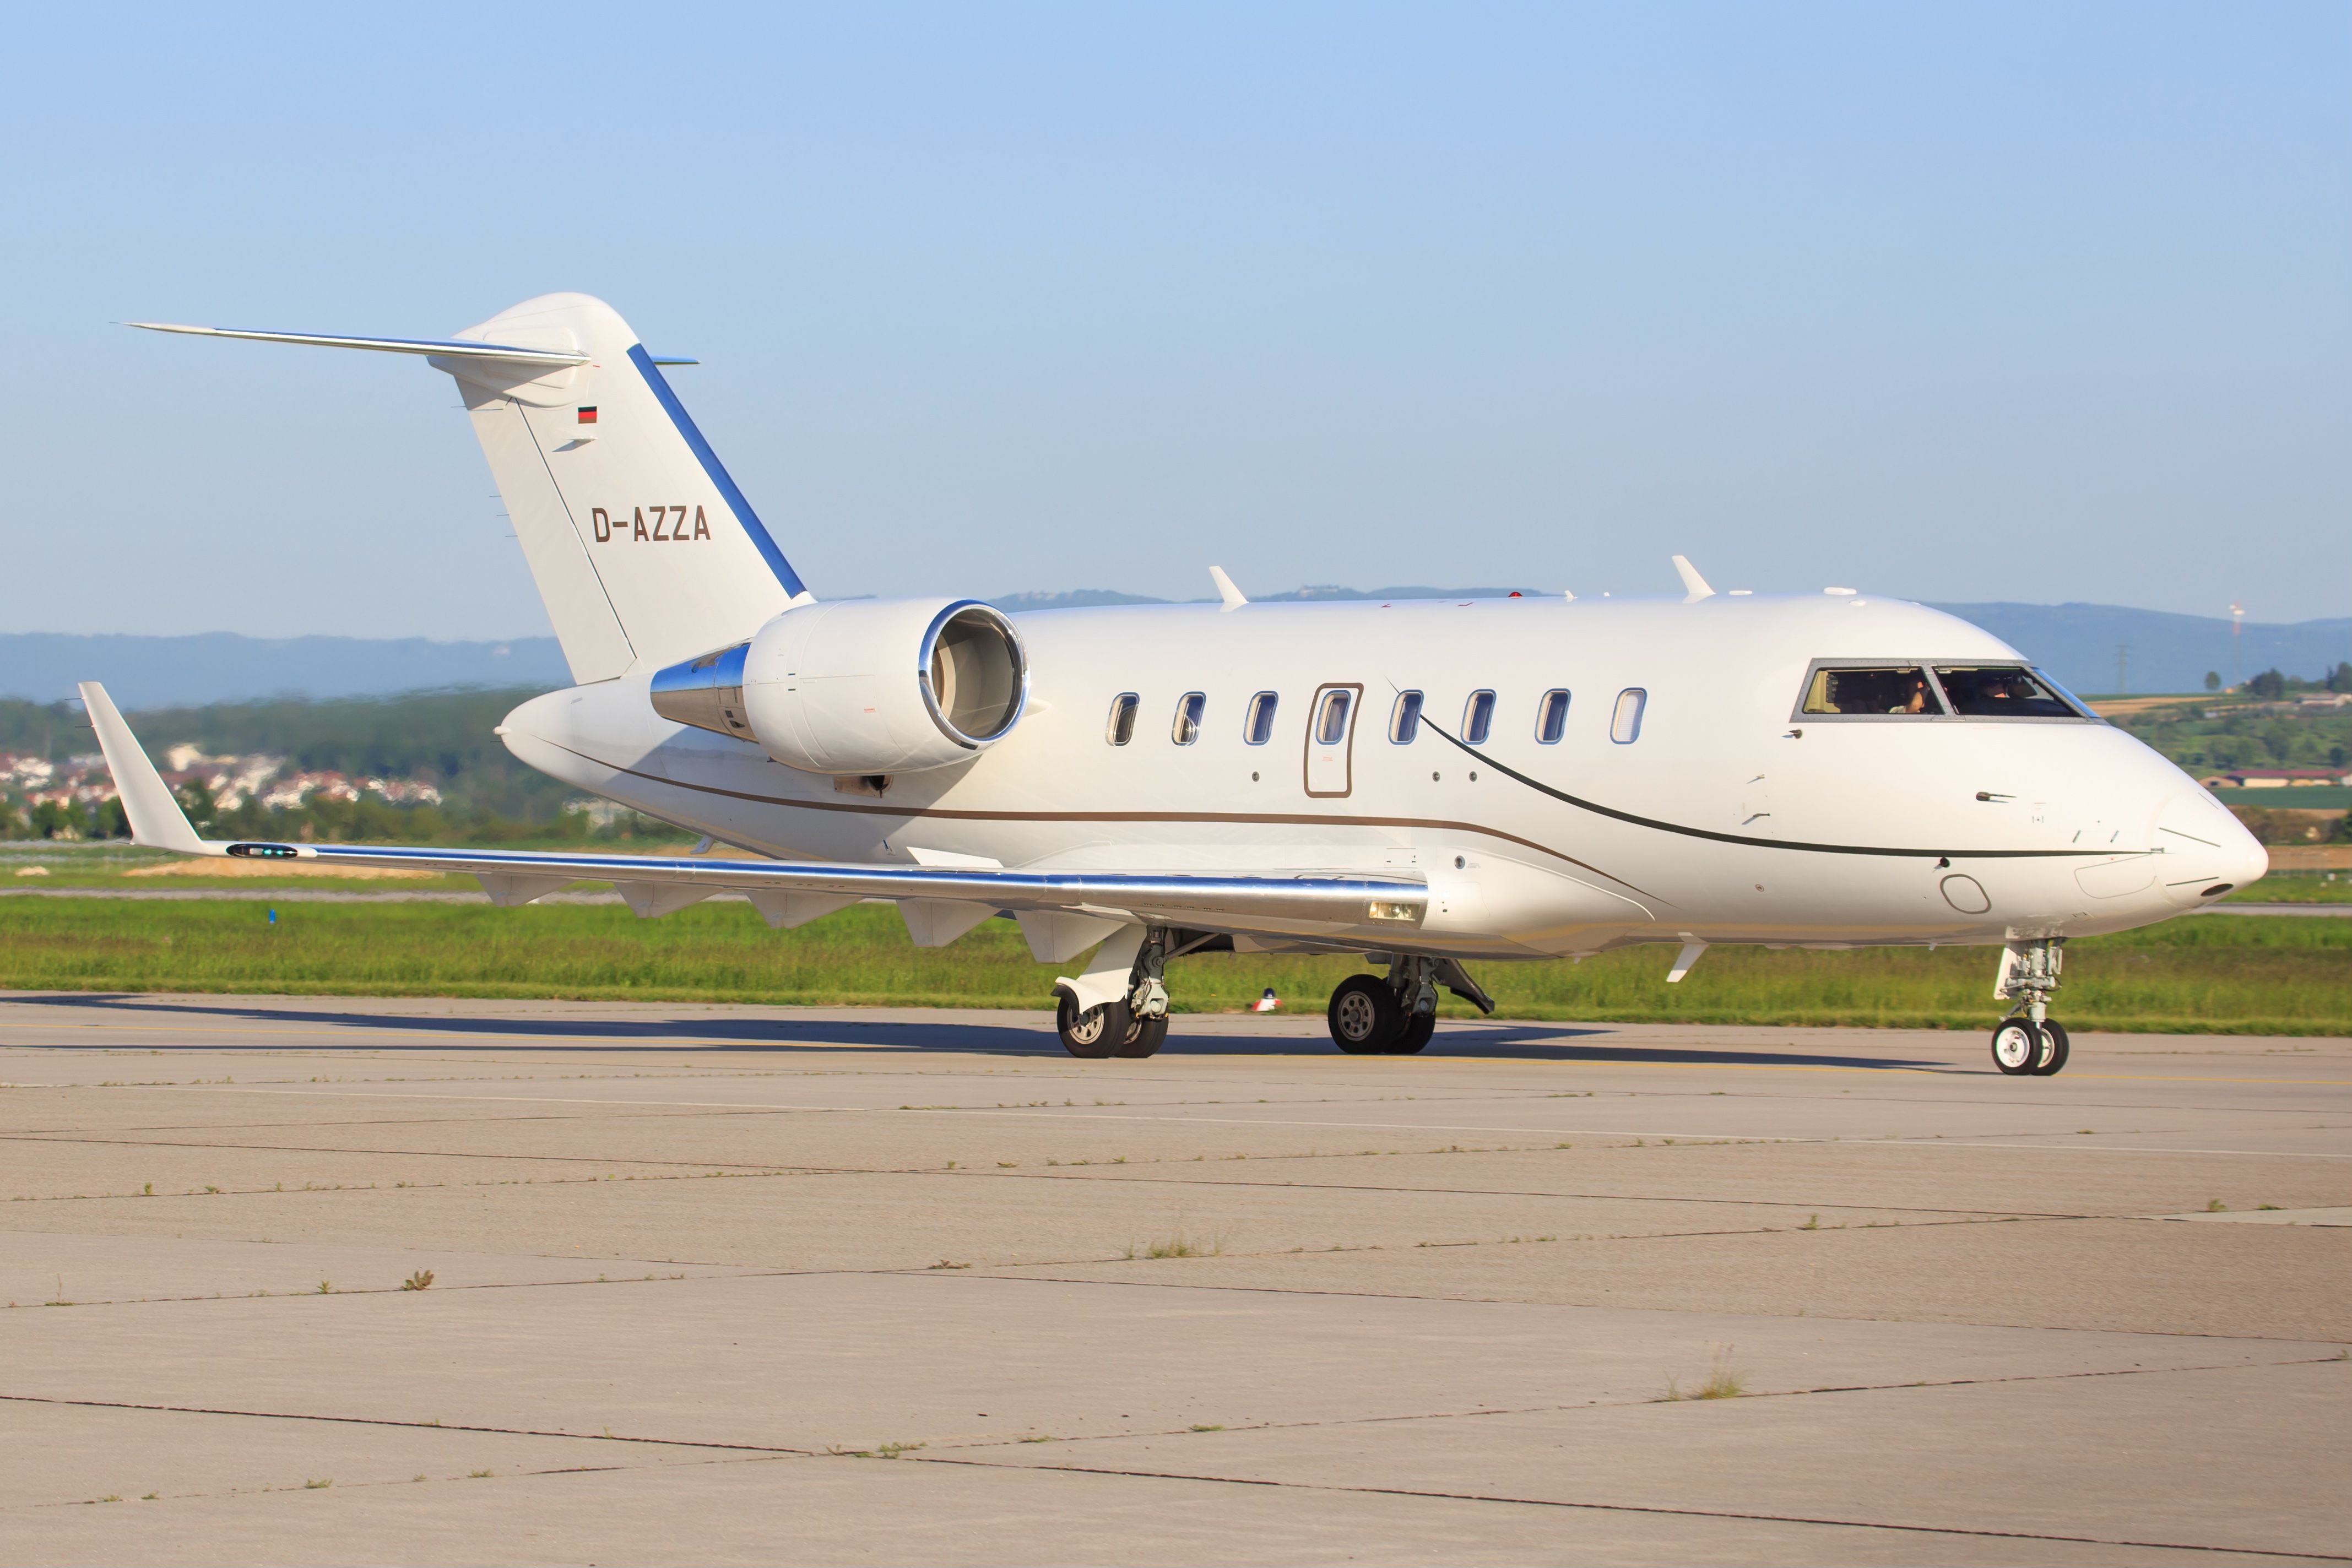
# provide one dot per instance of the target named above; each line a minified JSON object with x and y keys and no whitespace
{"x":1901,"y":691}
{"x":2001,"y":691}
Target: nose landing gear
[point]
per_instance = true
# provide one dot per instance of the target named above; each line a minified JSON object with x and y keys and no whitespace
{"x":1370,"y":1016}
{"x":2029,"y":1042}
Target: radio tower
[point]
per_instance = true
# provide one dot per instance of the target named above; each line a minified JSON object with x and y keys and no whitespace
{"x":2237,"y":625}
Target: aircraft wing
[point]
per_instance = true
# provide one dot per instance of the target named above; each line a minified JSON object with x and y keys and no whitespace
{"x":788,"y":891}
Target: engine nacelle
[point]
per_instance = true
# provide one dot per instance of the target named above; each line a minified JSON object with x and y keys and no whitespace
{"x":861,"y":686}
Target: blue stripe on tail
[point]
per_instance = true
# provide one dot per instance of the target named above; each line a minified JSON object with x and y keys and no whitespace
{"x":717,"y":472}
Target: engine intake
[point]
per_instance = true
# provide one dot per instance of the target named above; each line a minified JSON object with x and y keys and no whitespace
{"x":862,"y":686}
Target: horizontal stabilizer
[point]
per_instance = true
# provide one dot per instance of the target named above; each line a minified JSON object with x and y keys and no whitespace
{"x":450,"y":348}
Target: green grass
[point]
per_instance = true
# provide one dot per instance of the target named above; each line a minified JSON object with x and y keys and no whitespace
{"x":2239,"y":973}
{"x":2296,"y":887}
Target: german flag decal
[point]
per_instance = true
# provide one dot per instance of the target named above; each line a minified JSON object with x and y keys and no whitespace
{"x":588,"y":415}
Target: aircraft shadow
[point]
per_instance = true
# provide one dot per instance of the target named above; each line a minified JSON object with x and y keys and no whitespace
{"x":374,"y":1031}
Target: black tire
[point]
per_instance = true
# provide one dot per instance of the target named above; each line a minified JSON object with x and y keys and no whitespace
{"x":1143,"y":1037}
{"x":1415,"y":1034}
{"x":1092,"y":1034}
{"x":2016,"y":1047}
{"x":1364,"y":1014}
{"x":2053,"y":1059}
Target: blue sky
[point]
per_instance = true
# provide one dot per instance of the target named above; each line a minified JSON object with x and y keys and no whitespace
{"x":1962,"y":302}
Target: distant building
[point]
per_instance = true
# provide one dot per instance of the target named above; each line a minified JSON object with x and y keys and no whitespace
{"x":2276,"y":777}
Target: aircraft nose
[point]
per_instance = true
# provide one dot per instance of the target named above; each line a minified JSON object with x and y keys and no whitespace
{"x":2249,"y":862}
{"x":2207,"y":850}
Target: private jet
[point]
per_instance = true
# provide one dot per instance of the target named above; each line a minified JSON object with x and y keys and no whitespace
{"x":1430,"y":784}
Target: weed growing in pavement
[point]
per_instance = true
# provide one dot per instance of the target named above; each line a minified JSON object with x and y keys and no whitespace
{"x":1179,"y":1245}
{"x":1812,"y":1222}
{"x":943,"y":1263}
{"x":1198,"y":1428}
{"x":326,"y":1287}
{"x":319,"y":1485}
{"x":478,"y":1475}
{"x":420,"y":1281}
{"x":2217,"y":1207}
{"x":1723,"y":1380}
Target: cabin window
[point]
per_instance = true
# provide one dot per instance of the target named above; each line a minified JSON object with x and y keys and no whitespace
{"x":1120,"y":729}
{"x":1625,"y":723}
{"x":1551,"y":717}
{"x":1257,"y":726}
{"x":2001,"y":691}
{"x":1404,"y":720}
{"x":1478,"y":717}
{"x":1187,"y":727}
{"x":1331,"y":718}
{"x":1901,"y":690}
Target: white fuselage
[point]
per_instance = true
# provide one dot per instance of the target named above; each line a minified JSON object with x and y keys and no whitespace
{"x":1943,"y":830}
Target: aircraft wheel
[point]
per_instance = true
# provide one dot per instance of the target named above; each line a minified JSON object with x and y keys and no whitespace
{"x":1094,"y":1032}
{"x":1415,"y":1034}
{"x":2054,"y":1050}
{"x":1143,"y":1037}
{"x":2016,"y":1047}
{"x":1364,"y":1014}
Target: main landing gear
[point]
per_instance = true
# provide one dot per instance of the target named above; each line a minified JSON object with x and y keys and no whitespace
{"x":1135,"y":1024}
{"x":1370,"y":1016}
{"x":2029,"y":1042}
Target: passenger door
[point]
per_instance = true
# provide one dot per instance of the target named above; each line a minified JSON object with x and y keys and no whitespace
{"x":1332,"y":740}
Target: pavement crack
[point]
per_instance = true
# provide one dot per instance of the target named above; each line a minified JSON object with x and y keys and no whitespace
{"x":1656,"y":1509}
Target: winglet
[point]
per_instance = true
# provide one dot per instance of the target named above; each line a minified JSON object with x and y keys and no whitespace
{"x":1694,"y":587}
{"x":156,"y":819}
{"x":1225,"y":589}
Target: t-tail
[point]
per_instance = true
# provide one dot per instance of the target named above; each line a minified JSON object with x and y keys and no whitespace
{"x":644,"y":550}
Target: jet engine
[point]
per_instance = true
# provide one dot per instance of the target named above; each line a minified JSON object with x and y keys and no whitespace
{"x":860,"y":686}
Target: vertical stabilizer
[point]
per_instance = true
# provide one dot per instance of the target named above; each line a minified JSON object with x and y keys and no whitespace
{"x":644,"y":549}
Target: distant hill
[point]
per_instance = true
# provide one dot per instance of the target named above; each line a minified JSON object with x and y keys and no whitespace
{"x":221,"y":666}
{"x":2077,"y":643}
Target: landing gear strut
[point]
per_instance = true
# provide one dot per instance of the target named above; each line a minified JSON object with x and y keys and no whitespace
{"x":2029,"y":1041}
{"x":1370,"y":1016}
{"x":1133,"y":1025}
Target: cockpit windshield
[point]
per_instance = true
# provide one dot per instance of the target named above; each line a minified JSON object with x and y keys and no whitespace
{"x":1901,"y":689}
{"x":2001,"y":691}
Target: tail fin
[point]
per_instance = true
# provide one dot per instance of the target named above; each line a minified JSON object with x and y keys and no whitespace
{"x":644,"y":550}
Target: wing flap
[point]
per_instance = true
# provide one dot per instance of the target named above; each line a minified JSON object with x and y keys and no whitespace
{"x":1307,"y":903}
